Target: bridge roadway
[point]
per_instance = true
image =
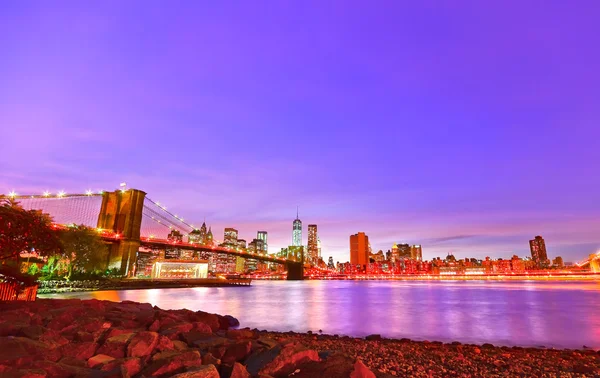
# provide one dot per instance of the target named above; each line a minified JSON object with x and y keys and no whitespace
{"x":162,"y":243}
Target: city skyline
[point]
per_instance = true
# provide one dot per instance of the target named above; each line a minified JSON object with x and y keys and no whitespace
{"x":469,"y":136}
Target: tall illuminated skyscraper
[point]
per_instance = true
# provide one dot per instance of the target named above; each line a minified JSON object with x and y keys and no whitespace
{"x":297,"y":232}
{"x":313,"y":246}
{"x":538,"y":251}
{"x":262,"y":235}
{"x":359,"y":249}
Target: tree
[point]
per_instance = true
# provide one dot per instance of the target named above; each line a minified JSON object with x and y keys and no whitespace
{"x":84,"y":250}
{"x":25,"y":231}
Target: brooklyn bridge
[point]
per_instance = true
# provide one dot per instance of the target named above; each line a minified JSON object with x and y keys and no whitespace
{"x":133,"y":224}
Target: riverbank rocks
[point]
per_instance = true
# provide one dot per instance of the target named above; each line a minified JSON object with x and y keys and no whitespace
{"x":74,"y":338}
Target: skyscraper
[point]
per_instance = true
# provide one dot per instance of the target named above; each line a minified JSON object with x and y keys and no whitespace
{"x":262,"y":235}
{"x":538,"y":251}
{"x":330,"y":264}
{"x":416,"y":253}
{"x":312,"y":247}
{"x":359,"y":249}
{"x":297,"y":232}
{"x":231,"y":237}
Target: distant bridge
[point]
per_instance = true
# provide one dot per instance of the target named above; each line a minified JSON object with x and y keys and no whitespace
{"x":593,"y":262}
{"x":128,"y":220}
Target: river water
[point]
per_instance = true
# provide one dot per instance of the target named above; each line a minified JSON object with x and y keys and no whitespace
{"x":527,"y":313}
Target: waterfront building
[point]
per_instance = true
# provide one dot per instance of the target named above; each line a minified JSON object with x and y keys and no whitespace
{"x":359,"y":249}
{"x":517,"y":264}
{"x":262,"y":235}
{"x":297,"y":231}
{"x":312,"y":247}
{"x":416,"y":253}
{"x":241,"y":244}
{"x":539,"y":254}
{"x":558,"y":262}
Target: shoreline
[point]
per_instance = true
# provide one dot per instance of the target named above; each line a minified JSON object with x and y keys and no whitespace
{"x":58,"y":287}
{"x":74,"y":337}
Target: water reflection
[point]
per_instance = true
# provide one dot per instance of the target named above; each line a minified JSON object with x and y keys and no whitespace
{"x":511,"y":313}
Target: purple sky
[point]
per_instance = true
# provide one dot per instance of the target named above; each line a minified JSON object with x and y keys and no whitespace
{"x":465,"y":126}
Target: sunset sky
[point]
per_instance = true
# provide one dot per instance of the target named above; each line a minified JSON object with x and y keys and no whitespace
{"x":465,"y":126}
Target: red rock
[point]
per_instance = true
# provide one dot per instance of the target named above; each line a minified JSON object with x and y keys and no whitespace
{"x":336,"y":365}
{"x":193,"y":337}
{"x":126,"y":367}
{"x":239,"y":371}
{"x":52,"y":369}
{"x":116,"y":331}
{"x":27,"y":373}
{"x":142,"y":344}
{"x":237,"y":352}
{"x":206,"y":371}
{"x":172,"y":362}
{"x":209,"y":359}
{"x":179,"y":345}
{"x":288,"y":359}
{"x":189,"y":358}
{"x":164,"y":343}
{"x":202,"y":327}
{"x":80,"y":351}
{"x":155,"y":326}
{"x":361,"y":371}
{"x":18,"y":351}
{"x":209,"y":319}
{"x":72,"y":361}
{"x":99,"y":359}
{"x":240,"y":334}
{"x":116,"y":346}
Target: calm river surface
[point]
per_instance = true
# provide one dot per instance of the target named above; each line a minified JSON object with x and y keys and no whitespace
{"x":550,"y":314}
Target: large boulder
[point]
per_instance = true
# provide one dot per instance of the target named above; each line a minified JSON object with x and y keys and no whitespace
{"x":20,"y":351}
{"x":240,"y":334}
{"x":237,"y":352}
{"x":361,"y":371}
{"x":142,"y":344}
{"x":115,"y":346}
{"x":99,"y":359}
{"x":123,"y":367}
{"x":287,"y":360}
{"x":239,"y":371}
{"x":80,"y":351}
{"x":172,"y":362}
{"x":206,"y":371}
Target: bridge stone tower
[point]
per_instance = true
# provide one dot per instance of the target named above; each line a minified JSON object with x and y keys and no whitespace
{"x":595,"y":263}
{"x":121,"y":212}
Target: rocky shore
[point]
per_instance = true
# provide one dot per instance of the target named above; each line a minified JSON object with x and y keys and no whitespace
{"x":74,"y":338}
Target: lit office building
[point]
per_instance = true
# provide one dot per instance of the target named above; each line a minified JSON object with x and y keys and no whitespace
{"x":313,"y":246}
{"x":262,"y":235}
{"x":359,"y":249}
{"x":297,"y":232}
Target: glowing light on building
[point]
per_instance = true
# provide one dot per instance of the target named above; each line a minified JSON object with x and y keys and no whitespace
{"x":61,"y":194}
{"x":46,"y":194}
{"x":12,"y":194}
